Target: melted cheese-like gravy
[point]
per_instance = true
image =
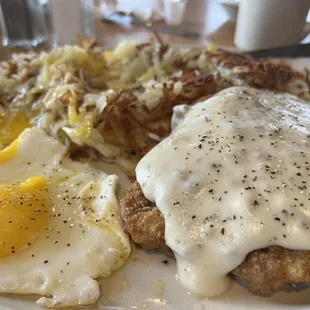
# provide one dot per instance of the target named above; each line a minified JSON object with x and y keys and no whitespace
{"x":232,"y":177}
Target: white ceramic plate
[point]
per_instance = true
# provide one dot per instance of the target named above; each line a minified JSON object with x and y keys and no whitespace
{"x":139,"y":283}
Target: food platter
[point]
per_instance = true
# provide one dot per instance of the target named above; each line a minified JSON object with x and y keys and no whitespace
{"x":148,"y":280}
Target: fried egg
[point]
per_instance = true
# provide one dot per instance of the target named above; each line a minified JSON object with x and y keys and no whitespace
{"x":12,"y":125}
{"x":59,"y":223}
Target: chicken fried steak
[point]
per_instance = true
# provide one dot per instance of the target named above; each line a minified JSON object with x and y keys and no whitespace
{"x":264,"y":270}
{"x":231,"y":195}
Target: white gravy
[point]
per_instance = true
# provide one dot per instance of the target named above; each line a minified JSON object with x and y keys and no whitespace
{"x":232,"y":177}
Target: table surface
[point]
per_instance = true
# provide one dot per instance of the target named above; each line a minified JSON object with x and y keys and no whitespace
{"x":207,"y":17}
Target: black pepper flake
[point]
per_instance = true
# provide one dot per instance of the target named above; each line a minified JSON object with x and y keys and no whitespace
{"x":211,"y":191}
{"x":223,"y":231}
{"x":46,"y":261}
{"x":165,"y":261}
{"x":193,"y":217}
{"x":277,"y":219}
{"x":255,"y":203}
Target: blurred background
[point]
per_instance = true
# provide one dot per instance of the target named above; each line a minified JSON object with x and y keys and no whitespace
{"x":42,"y":24}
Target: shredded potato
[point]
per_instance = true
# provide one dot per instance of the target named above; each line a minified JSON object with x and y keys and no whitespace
{"x":118,"y":104}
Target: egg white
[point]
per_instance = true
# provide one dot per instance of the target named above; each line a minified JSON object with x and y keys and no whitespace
{"x":83,"y":240}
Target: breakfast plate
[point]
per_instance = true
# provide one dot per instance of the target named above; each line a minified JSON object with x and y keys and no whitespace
{"x":148,"y":279}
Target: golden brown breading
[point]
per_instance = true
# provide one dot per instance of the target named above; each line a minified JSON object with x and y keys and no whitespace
{"x":265,"y":270}
{"x":142,"y":220}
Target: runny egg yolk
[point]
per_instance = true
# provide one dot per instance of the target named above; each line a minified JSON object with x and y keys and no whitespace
{"x":9,"y":152}
{"x":23,"y":214}
{"x":11,"y":126}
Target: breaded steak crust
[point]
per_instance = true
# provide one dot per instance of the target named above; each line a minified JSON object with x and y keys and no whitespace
{"x":143,"y":221}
